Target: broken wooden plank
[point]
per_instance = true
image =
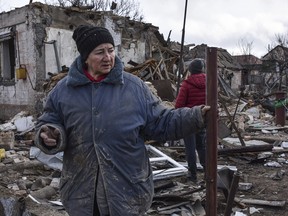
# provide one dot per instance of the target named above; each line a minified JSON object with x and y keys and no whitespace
{"x":273,"y":203}
{"x":256,"y":148}
{"x":270,"y":128}
{"x":172,"y":206}
{"x":279,"y":150}
{"x":269,"y":139}
{"x":163,"y":185}
{"x":232,"y":123}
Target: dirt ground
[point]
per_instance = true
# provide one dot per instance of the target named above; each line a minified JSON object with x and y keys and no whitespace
{"x":268,"y":184}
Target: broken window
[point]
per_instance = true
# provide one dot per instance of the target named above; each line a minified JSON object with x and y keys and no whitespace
{"x":7,"y":54}
{"x":163,"y":166}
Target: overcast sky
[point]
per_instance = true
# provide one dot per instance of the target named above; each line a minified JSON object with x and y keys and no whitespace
{"x":228,"y":24}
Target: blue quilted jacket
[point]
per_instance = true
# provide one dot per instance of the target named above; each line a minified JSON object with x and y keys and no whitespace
{"x":103,"y":128}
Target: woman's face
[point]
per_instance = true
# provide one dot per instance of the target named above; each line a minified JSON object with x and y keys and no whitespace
{"x":101,"y":60}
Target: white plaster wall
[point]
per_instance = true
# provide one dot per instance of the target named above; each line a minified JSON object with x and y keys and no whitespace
{"x":66,"y":48}
{"x":110,"y":25}
{"x":28,"y":57}
{"x":135,"y":51}
{"x":236,"y":81}
{"x":8,"y":94}
{"x":22,"y":92}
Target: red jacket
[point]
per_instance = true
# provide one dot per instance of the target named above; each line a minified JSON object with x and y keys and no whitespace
{"x":192,"y":91}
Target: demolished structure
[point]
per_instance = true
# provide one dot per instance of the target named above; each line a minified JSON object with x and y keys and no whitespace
{"x":35,"y":43}
{"x":35,"y":46}
{"x":36,"y":52}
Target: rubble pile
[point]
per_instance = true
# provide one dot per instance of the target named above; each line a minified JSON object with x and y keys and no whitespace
{"x":30,"y":178}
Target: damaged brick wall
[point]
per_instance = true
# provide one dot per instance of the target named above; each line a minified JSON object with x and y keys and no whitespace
{"x":44,"y":44}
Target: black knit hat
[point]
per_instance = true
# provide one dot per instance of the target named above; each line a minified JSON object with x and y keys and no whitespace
{"x":89,"y":37}
{"x":197,"y":65}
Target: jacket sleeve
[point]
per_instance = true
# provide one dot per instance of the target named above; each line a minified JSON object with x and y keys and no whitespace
{"x":170,"y":124}
{"x":61,"y":142}
{"x":181,"y":100}
{"x":50,"y":118}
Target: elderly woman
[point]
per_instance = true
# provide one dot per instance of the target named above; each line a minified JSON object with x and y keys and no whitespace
{"x":100,"y":116}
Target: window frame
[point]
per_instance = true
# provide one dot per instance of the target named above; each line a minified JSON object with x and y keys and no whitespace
{"x":7,"y":56}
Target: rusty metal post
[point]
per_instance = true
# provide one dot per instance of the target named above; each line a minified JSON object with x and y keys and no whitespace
{"x":212,"y":132}
{"x":232,"y":192}
{"x":280,"y":111}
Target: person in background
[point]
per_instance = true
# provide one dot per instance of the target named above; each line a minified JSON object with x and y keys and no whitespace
{"x":192,"y":93}
{"x":100,"y":117}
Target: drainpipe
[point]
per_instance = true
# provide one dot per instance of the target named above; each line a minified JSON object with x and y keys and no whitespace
{"x":280,"y":108}
{"x":212,"y":132}
{"x":56,"y":53}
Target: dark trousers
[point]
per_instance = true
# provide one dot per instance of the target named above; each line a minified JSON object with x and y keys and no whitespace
{"x":195,"y":142}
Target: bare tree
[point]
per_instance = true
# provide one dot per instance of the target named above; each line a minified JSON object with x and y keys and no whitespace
{"x":245,"y":46}
{"x":277,"y":59}
{"x":280,"y":39}
{"x":127,"y":8}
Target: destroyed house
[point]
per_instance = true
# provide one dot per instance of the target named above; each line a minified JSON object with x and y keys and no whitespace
{"x":36,"y":43}
{"x":275,"y":68}
{"x":228,"y":68}
{"x":251,"y":69}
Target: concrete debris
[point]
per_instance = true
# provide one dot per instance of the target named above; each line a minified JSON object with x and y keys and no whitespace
{"x":12,"y":206}
{"x":7,"y":140}
{"x":27,"y":172}
{"x":253,"y":210}
{"x":245,"y":186}
{"x":284,"y":145}
{"x":278,"y":175}
{"x":22,"y":121}
{"x":273,"y":164}
{"x":46,"y":192}
{"x":53,"y":161}
{"x":7,"y":127}
{"x":239,"y":214}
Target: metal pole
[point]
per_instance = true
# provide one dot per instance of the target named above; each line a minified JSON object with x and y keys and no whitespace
{"x":232,"y":192}
{"x":181,"y":64}
{"x":212,"y":132}
{"x":56,"y":53}
{"x":56,"y":56}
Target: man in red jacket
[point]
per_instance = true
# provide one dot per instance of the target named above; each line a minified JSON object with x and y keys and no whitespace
{"x":193,"y":93}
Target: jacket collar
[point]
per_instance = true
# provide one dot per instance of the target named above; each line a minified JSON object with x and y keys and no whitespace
{"x":76,"y":76}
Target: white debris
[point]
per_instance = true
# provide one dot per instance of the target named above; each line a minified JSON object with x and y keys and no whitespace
{"x":24,"y":123}
{"x":284,"y":145}
{"x":272,"y":164}
{"x":7,"y":126}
